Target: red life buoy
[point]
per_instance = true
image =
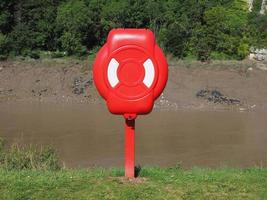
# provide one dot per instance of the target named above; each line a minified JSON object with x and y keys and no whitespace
{"x":130,"y":71}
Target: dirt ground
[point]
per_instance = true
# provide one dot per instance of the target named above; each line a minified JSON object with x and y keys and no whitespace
{"x":72,"y":82}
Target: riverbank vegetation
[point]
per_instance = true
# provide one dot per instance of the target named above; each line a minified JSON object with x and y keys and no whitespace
{"x":203,"y":30}
{"x":34,"y":173}
{"x":152,"y":183}
{"x":172,"y":61}
{"x":19,"y":157}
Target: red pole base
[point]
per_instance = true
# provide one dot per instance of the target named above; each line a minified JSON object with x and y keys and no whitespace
{"x":129,"y":148}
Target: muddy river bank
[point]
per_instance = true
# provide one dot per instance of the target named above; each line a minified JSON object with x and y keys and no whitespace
{"x":86,"y":135}
{"x":227,"y":85}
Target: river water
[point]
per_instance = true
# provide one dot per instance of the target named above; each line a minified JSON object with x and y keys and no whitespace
{"x":86,"y":135}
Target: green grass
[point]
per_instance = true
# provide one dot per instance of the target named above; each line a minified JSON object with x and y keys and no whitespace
{"x":154,"y":183}
{"x":87,"y":61}
{"x":213,"y":64}
{"x":32,"y":172}
{"x":30,"y":157}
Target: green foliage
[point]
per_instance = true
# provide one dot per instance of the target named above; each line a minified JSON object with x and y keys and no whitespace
{"x":73,"y":16}
{"x":257,"y":26}
{"x":21,"y":39}
{"x":243,"y":50}
{"x":223,"y":33}
{"x":175,"y":39}
{"x":7,"y":15}
{"x":34,"y":54}
{"x":27,"y":157}
{"x":257,"y":6}
{"x":202,"y":43}
{"x":3,"y":19}
{"x":73,"y":20}
{"x":3,"y":46}
{"x":205,"y":29}
{"x":57,"y":54}
{"x":219,"y":56}
{"x":71,"y":43}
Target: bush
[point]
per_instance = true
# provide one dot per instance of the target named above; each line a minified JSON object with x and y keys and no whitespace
{"x":21,"y":39}
{"x":94,"y":50}
{"x":57,"y":54}
{"x":175,"y":41}
{"x":219,"y":56}
{"x":34,"y":54}
{"x":71,"y":43}
{"x":243,"y":50}
{"x":3,"y":46}
{"x":73,"y":22}
{"x":30,"y":53}
{"x":3,"y":57}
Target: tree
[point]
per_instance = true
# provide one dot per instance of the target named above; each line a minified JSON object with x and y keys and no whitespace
{"x":73,"y":21}
{"x":176,"y":38}
{"x":225,"y":29}
{"x":6,"y":15}
{"x":34,"y":25}
{"x":257,"y":23}
{"x":200,"y":28}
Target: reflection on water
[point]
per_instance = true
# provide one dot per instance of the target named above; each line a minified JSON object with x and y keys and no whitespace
{"x":87,"y":135}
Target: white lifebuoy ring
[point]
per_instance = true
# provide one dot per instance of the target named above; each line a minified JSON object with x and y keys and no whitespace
{"x":113,"y":68}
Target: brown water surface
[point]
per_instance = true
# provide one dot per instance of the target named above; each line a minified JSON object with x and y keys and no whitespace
{"x":87,"y":135}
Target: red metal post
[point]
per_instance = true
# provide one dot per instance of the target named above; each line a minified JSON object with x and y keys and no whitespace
{"x":129,"y":147}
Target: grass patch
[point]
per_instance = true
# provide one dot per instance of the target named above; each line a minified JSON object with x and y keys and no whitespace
{"x":156,"y":183}
{"x":19,"y":157}
{"x":213,"y":64}
{"x":87,"y":62}
{"x":33,"y":173}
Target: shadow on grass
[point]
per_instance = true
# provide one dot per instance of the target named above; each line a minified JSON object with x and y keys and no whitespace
{"x":137,"y":171}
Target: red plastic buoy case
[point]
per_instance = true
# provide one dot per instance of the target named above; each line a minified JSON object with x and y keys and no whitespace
{"x":130,"y":71}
